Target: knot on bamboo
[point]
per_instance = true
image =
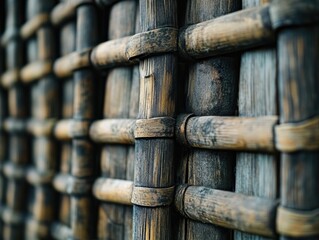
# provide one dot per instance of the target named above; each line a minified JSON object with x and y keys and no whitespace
{"x":303,"y":135}
{"x":35,"y":177}
{"x":295,"y":223}
{"x":10,"y":77}
{"x":156,"y":41}
{"x":71,"y":185}
{"x":14,"y":171}
{"x":293,"y":13}
{"x":10,"y":216}
{"x":40,"y":128}
{"x":152,"y":197}
{"x":34,"y":24}
{"x":13,"y":125}
{"x":80,"y":128}
{"x":65,"y":66}
{"x":160,"y":127}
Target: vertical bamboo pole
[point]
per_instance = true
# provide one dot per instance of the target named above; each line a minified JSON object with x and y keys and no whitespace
{"x":82,"y":166}
{"x":217,"y":79}
{"x":114,"y":158}
{"x":298,"y":59}
{"x":18,"y":152}
{"x":67,"y":45}
{"x":256,"y":174}
{"x":154,"y":157}
{"x":3,"y":114}
{"x":44,"y":102}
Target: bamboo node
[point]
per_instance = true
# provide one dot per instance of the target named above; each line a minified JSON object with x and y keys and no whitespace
{"x":293,"y":12}
{"x":295,"y":223}
{"x":34,"y":24}
{"x":152,"y":197}
{"x":181,"y":124}
{"x":160,"y":127}
{"x":41,"y":127}
{"x":161,"y":40}
{"x":36,"y":70}
{"x":304,"y":135}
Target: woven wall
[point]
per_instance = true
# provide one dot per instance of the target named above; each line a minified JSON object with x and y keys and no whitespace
{"x":159,"y":119}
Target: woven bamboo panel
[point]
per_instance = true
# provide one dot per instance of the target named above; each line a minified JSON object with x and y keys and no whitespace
{"x":148,"y":119}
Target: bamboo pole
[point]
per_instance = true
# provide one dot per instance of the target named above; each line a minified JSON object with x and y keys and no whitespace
{"x":256,"y":174}
{"x":217,"y":77}
{"x":18,"y":152}
{"x":154,"y":156}
{"x":114,"y":158}
{"x":82,"y":167}
{"x":298,"y":100}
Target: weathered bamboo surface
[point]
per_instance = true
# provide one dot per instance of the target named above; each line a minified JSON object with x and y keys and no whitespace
{"x":127,"y":119}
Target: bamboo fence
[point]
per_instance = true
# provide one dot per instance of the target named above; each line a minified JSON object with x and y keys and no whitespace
{"x":148,"y":119}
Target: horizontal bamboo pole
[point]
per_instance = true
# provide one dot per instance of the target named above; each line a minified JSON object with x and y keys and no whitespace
{"x":64,"y":66}
{"x":232,"y":133}
{"x":62,"y":130}
{"x":66,"y":10}
{"x":232,"y":32}
{"x":107,"y":189}
{"x":10,"y":77}
{"x":227,"y":209}
{"x":34,"y":24}
{"x":111,"y":53}
{"x":113,"y":131}
{"x":35,"y":71}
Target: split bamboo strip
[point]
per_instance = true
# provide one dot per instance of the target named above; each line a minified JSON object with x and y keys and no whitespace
{"x":18,"y":154}
{"x":256,"y":173}
{"x":82,"y":165}
{"x":43,"y":99}
{"x":217,"y":78}
{"x":62,"y":228}
{"x":154,"y":156}
{"x":298,"y":100}
{"x":114,"y":158}
{"x":227,"y":209}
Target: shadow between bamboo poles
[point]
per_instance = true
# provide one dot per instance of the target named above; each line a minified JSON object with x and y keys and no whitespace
{"x":18,"y":152}
{"x":114,"y":158}
{"x":154,"y":157}
{"x":298,"y":100}
{"x":82,"y":165}
{"x":211,"y":90}
{"x":256,"y":173}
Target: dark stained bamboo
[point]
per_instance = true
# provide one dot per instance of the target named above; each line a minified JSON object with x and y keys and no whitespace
{"x":298,"y":58}
{"x":154,"y":156}
{"x":217,"y":77}
{"x":256,"y":174}
{"x":114,"y":158}
{"x":82,"y":164}
{"x":44,"y":94}
{"x":18,"y":154}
